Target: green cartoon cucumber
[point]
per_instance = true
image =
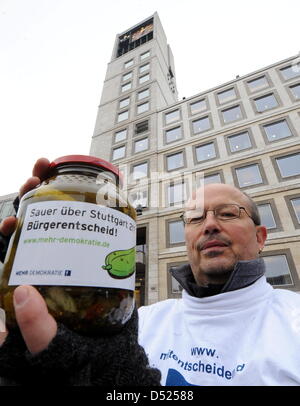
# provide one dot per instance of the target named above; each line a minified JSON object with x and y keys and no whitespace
{"x":120,"y":264}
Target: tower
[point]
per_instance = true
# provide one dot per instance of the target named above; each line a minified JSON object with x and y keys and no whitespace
{"x":140,"y":80}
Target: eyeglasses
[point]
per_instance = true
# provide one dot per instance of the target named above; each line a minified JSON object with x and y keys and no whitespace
{"x":223,"y":212}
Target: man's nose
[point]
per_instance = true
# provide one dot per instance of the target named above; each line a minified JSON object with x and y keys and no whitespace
{"x":211,"y":223}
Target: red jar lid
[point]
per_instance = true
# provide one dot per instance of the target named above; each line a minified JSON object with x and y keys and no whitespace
{"x":86,"y":159}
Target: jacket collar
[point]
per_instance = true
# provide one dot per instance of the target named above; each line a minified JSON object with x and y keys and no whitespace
{"x":244,"y":274}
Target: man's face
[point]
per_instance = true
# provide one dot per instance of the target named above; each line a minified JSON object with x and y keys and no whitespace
{"x":215,"y":246}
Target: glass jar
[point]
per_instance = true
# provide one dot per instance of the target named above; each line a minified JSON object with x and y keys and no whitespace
{"x":75,"y":242}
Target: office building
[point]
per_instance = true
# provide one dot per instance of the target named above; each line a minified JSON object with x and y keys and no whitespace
{"x":245,"y":132}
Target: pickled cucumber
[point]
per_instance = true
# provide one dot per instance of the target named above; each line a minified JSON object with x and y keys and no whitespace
{"x":55,"y":194}
{"x":120,"y":264}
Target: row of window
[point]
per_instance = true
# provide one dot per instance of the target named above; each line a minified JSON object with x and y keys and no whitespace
{"x":245,"y":176}
{"x":227,"y":115}
{"x":253,"y":174}
{"x":202,"y":124}
{"x":208,"y":151}
{"x":241,"y":141}
{"x":230,"y":114}
{"x":280,"y":272}
{"x":272,"y":131}
{"x":142,"y":96}
{"x":257,"y":84}
{"x":261,"y":103}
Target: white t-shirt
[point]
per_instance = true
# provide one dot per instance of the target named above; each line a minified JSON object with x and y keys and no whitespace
{"x":249,"y":336}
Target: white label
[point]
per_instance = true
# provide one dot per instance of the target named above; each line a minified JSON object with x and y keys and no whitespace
{"x":75,"y":244}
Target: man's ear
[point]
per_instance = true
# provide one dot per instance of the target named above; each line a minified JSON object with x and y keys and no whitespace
{"x":261,"y":236}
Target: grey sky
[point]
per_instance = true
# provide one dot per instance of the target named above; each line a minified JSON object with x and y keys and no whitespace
{"x":54,"y":55}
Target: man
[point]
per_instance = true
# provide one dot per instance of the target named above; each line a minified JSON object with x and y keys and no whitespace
{"x":230,"y":327}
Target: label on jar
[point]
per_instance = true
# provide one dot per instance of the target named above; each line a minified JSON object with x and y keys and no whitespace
{"x":75,"y":244}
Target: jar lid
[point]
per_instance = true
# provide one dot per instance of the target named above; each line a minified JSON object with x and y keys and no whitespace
{"x":87,"y":159}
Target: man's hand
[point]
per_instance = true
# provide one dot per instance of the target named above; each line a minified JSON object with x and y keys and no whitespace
{"x":37,"y":326}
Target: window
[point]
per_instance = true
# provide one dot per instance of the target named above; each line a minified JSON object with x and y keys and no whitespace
{"x":141,"y":127}
{"x":276,"y":131}
{"x":291,"y":72}
{"x":144,"y":68}
{"x":128,"y":64}
{"x":139,"y":198}
{"x":124,"y":103}
{"x":121,"y":135}
{"x":200,"y":125}
{"x":145,"y":55}
{"x":278,"y":270}
{"x":205,"y":152}
{"x":123,"y":116}
{"x":176,"y":193}
{"x":293,"y":204}
{"x":266,"y":215}
{"x":142,"y":108}
{"x":295,"y":91}
{"x":239,"y":142}
{"x":265,"y":103}
{"x":226,"y":95}
{"x":141,"y":145}
{"x":296,"y":207}
{"x":174,"y":288}
{"x":127,"y":76}
{"x":118,"y":153}
{"x":143,"y":94}
{"x":175,"y":161}
{"x":289,"y":165}
{"x":258,"y":83}
{"x":172,"y":116}
{"x":173,"y":134}
{"x":140,"y":171}
{"x":144,"y":78}
{"x":215,"y":178}
{"x":126,"y":87}
{"x":232,"y":114}
{"x":249,"y":175}
{"x":175,"y":233}
{"x":198,"y":106}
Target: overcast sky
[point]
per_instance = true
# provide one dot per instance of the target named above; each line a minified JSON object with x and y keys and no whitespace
{"x":54,"y":55}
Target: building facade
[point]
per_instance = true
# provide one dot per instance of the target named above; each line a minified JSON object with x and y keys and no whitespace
{"x":6,"y":205}
{"x":245,"y":132}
